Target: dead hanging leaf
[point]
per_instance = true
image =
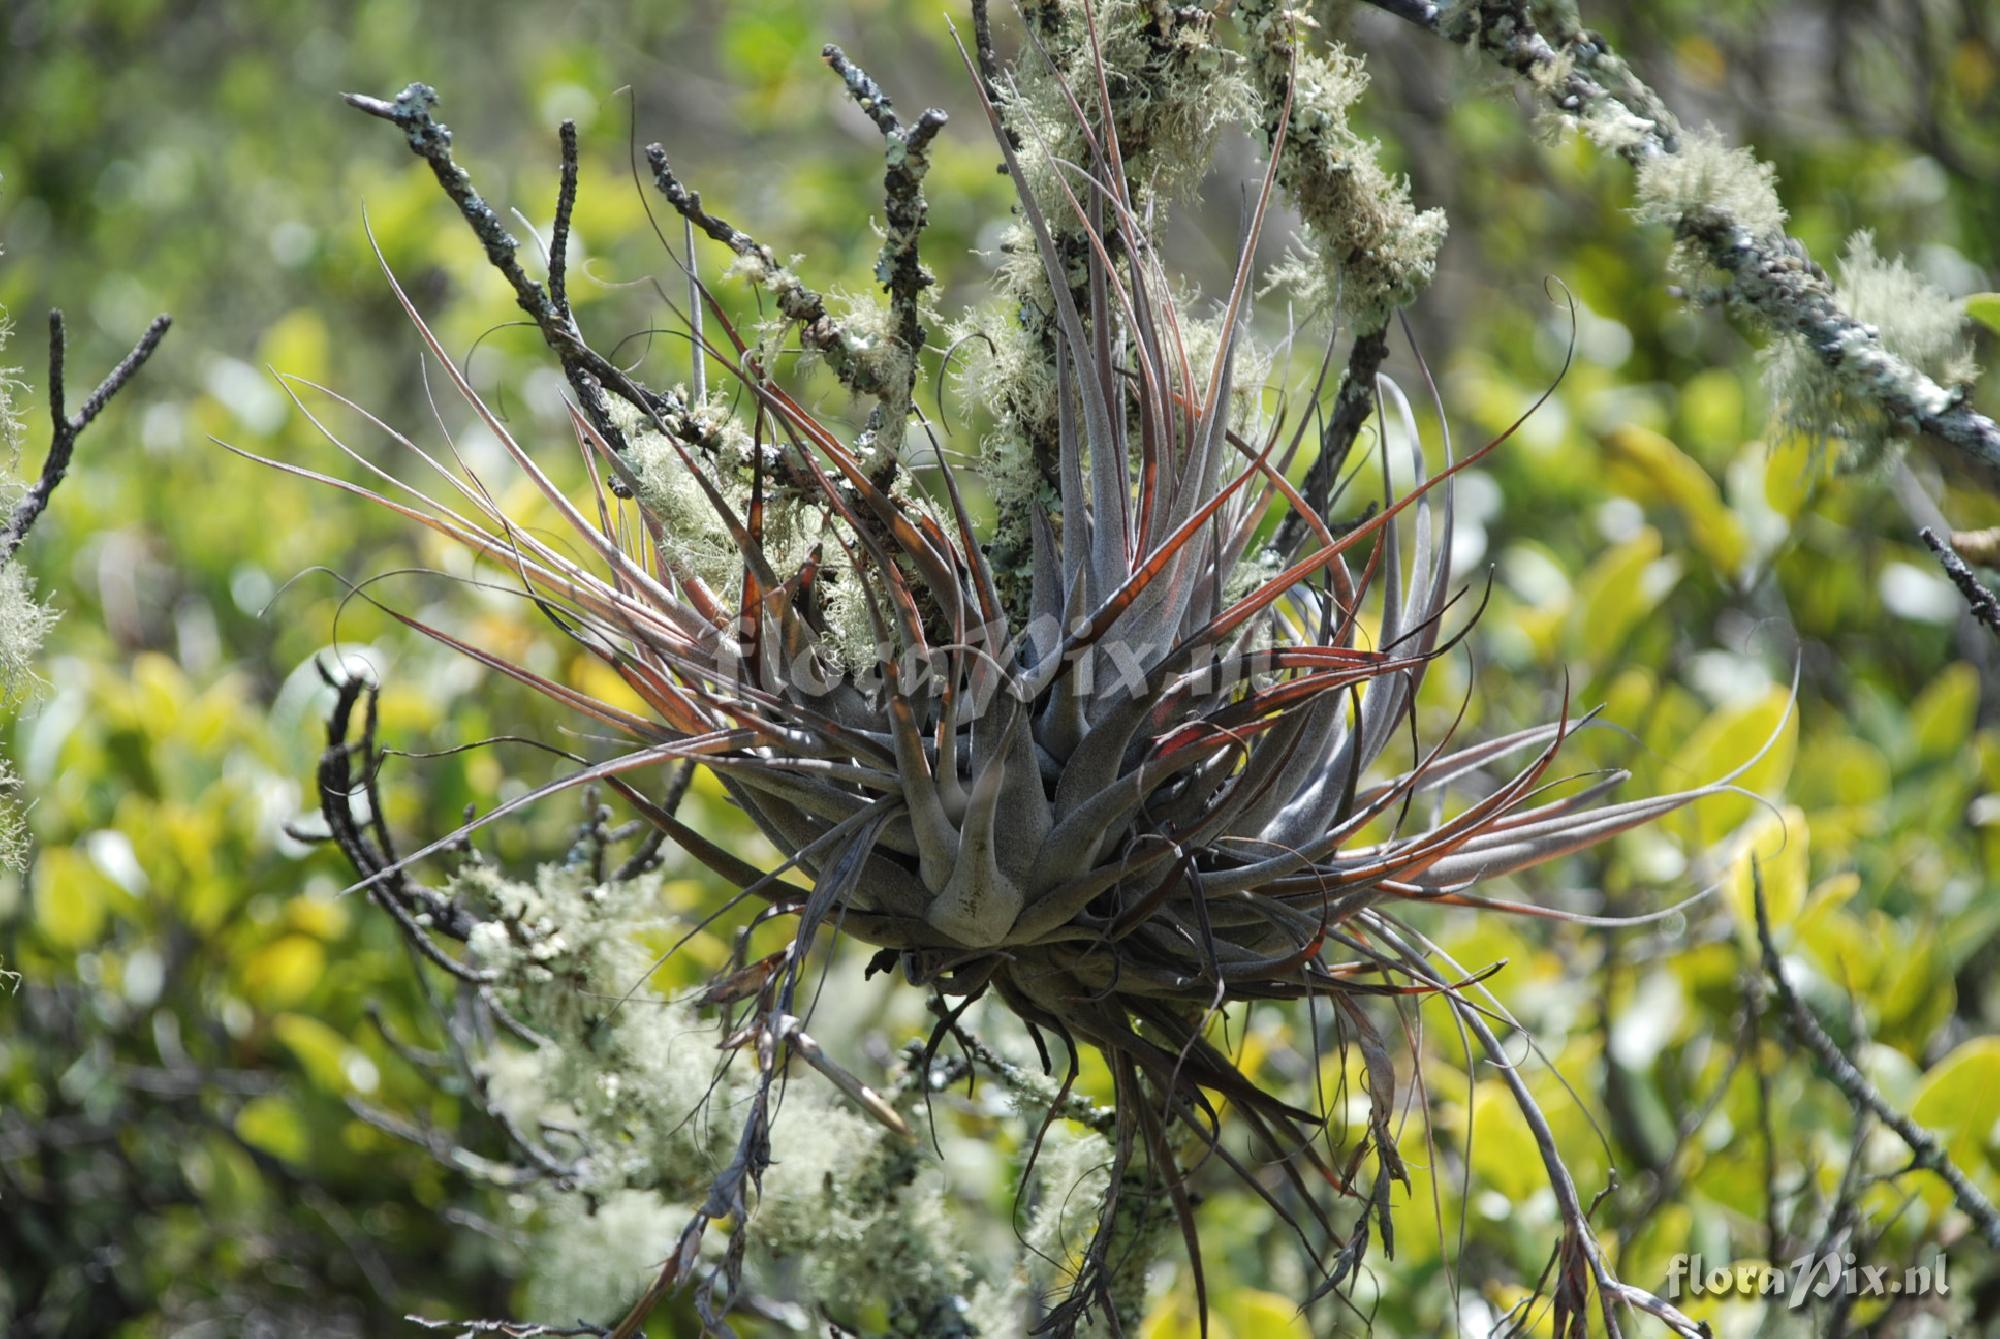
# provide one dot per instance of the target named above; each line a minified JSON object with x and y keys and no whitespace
{"x":1978,"y":546}
{"x":742,"y":983}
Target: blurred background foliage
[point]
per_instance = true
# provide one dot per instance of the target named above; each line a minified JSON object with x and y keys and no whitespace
{"x":199,"y":1006}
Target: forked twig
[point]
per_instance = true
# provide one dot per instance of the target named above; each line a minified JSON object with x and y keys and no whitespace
{"x":68,"y":427}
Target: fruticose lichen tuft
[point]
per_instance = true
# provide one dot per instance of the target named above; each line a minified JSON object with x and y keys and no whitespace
{"x":1913,"y":320}
{"x":1362,"y":231}
{"x":1710,"y":183}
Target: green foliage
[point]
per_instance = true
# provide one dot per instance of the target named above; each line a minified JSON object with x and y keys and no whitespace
{"x":1653,"y":546}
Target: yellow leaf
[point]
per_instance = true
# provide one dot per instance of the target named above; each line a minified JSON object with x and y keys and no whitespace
{"x":1941,"y":717}
{"x":1777,"y":844}
{"x":1662,"y":471}
{"x":1917,"y":997}
{"x":1793,"y":469}
{"x":1613,"y":596}
{"x":284,"y":971}
{"x":320,"y":917}
{"x":272,"y":1124}
{"x":1263,"y":1314}
{"x":1840,"y":769}
{"x":1730,"y":737}
{"x":1842,"y":948}
{"x":321,"y":1051}
{"x":1174,"y":1317}
{"x":1504,"y":1156}
{"x":296,"y":345}
{"x":71,"y":894}
{"x":1711,"y":409}
{"x":1960,"y":1097}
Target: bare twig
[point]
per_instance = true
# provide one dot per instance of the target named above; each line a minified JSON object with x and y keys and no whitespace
{"x":1351,"y":407}
{"x":1929,"y":1153}
{"x":62,"y":446}
{"x":445,"y":1150}
{"x":1978,"y":597}
{"x":590,"y":375}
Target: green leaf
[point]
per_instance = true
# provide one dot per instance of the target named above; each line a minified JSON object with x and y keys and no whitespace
{"x":1960,"y":1096}
{"x":321,"y":1051}
{"x":1727,"y":739}
{"x":284,"y":971}
{"x":1614,"y":596}
{"x":1174,"y":1317}
{"x":1649,"y":468}
{"x":1985,"y":309}
{"x":272,"y":1124}
{"x":1504,"y":1156}
{"x":1778,"y":844}
{"x":1941,"y":718}
{"x":71,"y":897}
{"x":1264,"y":1314}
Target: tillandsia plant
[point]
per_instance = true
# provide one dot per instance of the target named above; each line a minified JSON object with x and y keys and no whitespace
{"x":1144,"y":750}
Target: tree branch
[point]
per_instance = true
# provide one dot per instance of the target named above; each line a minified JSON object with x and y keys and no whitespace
{"x":1985,"y":607}
{"x":68,"y":427}
{"x":1352,"y":404}
{"x":1580,"y":76}
{"x":907,"y":152}
{"x":1929,"y":1154}
{"x":589,"y":373}
{"x":559,"y":237}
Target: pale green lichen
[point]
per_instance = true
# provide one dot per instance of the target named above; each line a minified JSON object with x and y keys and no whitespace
{"x":1912,"y":319}
{"x":1073,"y":1175}
{"x":695,"y":538}
{"x":873,"y":354}
{"x":24,"y":620}
{"x":1708,"y":182}
{"x":632,"y":1080}
{"x":635,"y":1084}
{"x":593,"y":1256}
{"x":847,"y":1200}
{"x":10,"y":416}
{"x":1172,"y":88}
{"x":1362,"y":233}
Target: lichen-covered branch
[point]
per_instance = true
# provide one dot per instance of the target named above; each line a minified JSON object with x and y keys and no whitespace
{"x":1711,"y":199}
{"x":1361,"y":224}
{"x":883,"y":364}
{"x":589,"y":373}
{"x":907,"y":155}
